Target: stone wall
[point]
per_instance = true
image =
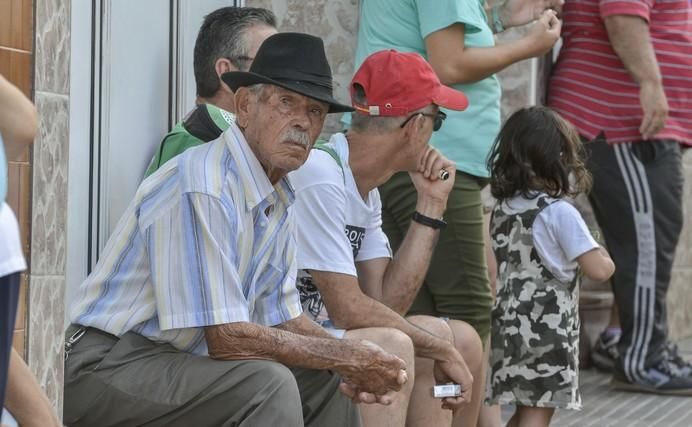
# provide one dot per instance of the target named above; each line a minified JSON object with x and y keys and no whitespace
{"x":49,"y":205}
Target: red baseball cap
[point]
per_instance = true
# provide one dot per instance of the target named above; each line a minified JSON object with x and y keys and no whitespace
{"x":397,"y":84}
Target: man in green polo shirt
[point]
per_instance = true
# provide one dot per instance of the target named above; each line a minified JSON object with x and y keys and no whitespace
{"x":227,"y":41}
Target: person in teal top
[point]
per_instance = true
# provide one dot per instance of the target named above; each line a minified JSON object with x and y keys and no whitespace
{"x":456,"y":37}
{"x":227,"y":41}
{"x":466,"y":135}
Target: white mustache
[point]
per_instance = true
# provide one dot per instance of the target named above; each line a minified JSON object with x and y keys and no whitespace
{"x":294,"y":135}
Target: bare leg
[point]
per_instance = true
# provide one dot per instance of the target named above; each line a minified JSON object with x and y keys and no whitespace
{"x":490,"y":415}
{"x":469,"y":344}
{"x":514,"y":420}
{"x":425,"y":410}
{"x":529,"y":416}
{"x":25,"y":399}
{"x":398,"y":343}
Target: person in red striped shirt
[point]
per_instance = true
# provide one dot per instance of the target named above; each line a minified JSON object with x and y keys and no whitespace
{"x":624,"y":79}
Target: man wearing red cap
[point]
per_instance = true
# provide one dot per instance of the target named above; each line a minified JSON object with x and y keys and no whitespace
{"x":348,"y":278}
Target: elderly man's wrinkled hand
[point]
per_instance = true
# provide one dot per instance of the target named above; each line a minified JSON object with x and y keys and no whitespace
{"x":358,"y":396}
{"x":373,"y":370}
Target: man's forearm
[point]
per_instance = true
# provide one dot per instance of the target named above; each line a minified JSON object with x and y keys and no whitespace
{"x":243,"y":340}
{"x":405,"y":273}
{"x":407,"y":270}
{"x":631,"y":41}
{"x":366,"y":312}
{"x":362,"y":365}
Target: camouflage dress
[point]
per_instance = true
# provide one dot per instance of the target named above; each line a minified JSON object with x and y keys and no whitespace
{"x":535,"y":323}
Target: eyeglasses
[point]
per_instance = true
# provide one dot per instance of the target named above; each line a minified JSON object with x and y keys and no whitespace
{"x":438,"y":118}
{"x":242,"y":63}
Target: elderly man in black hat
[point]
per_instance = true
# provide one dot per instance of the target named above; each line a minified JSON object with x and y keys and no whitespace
{"x":191,"y":317}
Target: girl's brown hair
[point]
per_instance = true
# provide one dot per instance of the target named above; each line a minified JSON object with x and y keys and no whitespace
{"x":537,"y":150}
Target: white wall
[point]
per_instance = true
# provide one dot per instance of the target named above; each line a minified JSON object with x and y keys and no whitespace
{"x":126,"y":92}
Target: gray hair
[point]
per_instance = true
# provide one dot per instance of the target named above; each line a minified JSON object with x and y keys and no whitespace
{"x":257,"y":89}
{"x":222,"y":35}
{"x":374,"y":124}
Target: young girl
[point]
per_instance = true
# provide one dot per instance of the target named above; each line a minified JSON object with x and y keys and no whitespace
{"x":541,"y":243}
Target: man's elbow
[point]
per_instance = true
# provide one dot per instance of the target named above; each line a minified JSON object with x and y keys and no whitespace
{"x":346,"y":318}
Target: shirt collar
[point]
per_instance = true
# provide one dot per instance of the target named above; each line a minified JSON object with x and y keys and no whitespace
{"x":254,"y":180}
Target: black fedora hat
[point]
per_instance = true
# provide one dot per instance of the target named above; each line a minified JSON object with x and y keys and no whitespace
{"x":294,"y":61}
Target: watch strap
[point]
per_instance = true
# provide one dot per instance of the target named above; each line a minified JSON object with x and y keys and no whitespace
{"x":437,"y":224}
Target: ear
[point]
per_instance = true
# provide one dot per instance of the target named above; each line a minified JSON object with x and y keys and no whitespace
{"x":243,"y":101}
{"x":414,"y":126}
{"x":415,"y":131}
{"x":223,"y":65}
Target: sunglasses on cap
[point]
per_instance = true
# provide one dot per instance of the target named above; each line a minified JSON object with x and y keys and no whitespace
{"x":438,"y":118}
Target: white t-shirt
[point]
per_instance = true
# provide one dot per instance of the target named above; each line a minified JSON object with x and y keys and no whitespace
{"x":560,"y":235}
{"x":335,"y":226}
{"x":11,"y":257}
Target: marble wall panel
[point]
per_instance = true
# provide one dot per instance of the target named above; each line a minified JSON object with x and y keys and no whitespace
{"x":336,"y":22}
{"x":52,"y":46}
{"x":45,"y":338}
{"x":49,"y":204}
{"x":50,"y":185}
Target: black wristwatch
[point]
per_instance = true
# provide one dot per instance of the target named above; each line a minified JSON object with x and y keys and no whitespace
{"x":437,"y":224}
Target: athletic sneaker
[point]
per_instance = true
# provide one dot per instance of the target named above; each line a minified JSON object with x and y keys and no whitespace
{"x":664,"y":378}
{"x":684,"y":367}
{"x":605,"y":352}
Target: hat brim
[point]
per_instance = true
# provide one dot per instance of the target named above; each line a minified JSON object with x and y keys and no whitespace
{"x":451,"y":99}
{"x":236,"y":79}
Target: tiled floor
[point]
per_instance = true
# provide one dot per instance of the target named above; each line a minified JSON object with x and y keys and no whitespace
{"x":605,"y":407}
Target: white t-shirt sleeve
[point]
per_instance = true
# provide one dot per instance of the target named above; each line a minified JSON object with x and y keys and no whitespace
{"x":320,"y":207}
{"x":560,"y":236}
{"x":375,"y":243}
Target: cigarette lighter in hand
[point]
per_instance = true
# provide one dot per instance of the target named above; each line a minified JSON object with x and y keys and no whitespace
{"x":446,"y":390}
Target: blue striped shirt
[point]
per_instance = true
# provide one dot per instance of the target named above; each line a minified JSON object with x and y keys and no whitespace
{"x":207,"y":240}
